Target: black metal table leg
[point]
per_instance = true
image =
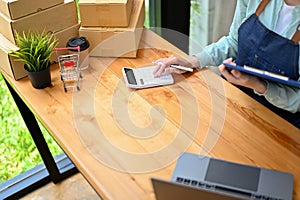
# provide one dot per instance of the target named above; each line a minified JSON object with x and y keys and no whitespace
{"x":56,"y":172}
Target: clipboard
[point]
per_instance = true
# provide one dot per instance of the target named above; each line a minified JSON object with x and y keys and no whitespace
{"x":264,"y":74}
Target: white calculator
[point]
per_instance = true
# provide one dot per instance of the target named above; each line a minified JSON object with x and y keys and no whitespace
{"x":143,"y":77}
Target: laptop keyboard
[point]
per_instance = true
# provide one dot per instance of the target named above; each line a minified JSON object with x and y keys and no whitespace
{"x":195,"y":183}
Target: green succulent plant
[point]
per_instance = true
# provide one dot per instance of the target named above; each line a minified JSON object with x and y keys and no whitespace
{"x":35,"y":49}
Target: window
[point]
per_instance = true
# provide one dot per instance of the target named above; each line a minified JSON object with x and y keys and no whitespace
{"x":202,"y":21}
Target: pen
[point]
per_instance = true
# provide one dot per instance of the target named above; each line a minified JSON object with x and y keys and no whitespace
{"x":177,"y":67}
{"x":182,"y":68}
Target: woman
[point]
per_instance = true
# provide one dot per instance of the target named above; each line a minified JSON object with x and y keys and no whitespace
{"x":264,"y":34}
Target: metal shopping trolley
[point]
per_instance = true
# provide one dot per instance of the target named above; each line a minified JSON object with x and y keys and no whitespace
{"x":69,"y":67}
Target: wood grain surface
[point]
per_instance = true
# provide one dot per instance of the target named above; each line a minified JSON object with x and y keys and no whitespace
{"x":119,"y":138}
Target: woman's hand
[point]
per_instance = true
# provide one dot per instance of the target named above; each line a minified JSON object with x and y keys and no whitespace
{"x":238,"y":78}
{"x":163,"y":65}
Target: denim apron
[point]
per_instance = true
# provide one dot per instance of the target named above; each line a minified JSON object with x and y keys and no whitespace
{"x":260,"y":47}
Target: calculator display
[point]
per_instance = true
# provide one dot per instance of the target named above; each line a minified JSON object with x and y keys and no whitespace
{"x":130,"y":76}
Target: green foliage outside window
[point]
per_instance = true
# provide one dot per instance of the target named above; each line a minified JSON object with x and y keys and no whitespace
{"x":18,"y":151}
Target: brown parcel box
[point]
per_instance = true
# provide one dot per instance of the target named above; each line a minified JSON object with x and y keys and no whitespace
{"x":112,"y":13}
{"x":16,"y":69}
{"x":117,"y":42}
{"x":51,"y":20}
{"x":7,"y":62}
{"x":15,"y":9}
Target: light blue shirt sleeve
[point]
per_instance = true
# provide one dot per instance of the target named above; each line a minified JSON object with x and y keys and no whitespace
{"x":282,"y":96}
{"x":215,"y":53}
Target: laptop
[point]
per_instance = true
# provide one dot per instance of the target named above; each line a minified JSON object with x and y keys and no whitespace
{"x":202,"y":177}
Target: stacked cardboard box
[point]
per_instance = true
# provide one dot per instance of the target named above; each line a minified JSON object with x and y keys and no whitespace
{"x":15,"y":9}
{"x":115,"y":13}
{"x":108,"y":36}
{"x":54,"y":16}
{"x":7,"y":62}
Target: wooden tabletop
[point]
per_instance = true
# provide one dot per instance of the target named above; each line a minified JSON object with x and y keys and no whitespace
{"x":119,"y":138}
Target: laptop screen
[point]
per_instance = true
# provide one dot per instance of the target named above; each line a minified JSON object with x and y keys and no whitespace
{"x":234,"y":175}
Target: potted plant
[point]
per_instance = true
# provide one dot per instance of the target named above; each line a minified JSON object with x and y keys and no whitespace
{"x":35,"y":50}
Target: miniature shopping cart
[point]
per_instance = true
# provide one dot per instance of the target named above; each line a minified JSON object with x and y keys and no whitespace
{"x":69,"y":67}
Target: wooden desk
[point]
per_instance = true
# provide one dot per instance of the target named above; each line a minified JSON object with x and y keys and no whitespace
{"x":119,"y":138}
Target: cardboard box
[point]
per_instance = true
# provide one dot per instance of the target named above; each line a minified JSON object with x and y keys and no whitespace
{"x":52,"y":20}
{"x":117,"y":42}
{"x":15,"y":9}
{"x":112,"y":13}
{"x":7,"y":62}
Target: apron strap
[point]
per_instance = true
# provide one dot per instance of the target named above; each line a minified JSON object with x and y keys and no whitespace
{"x":261,"y":7}
{"x":296,"y":37}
